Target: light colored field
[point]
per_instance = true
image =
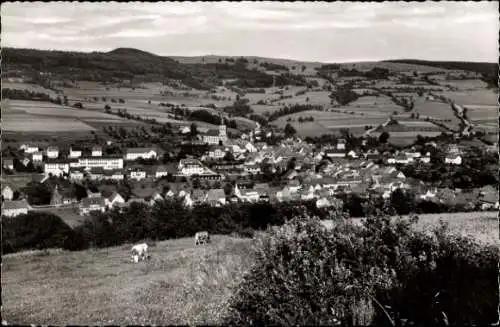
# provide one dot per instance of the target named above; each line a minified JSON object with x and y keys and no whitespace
{"x":37,"y":116}
{"x":30,"y":123}
{"x":435,"y":110}
{"x":479,"y":97}
{"x":481,"y":226}
{"x":468,"y":84}
{"x":50,"y":109}
{"x":182,"y":284}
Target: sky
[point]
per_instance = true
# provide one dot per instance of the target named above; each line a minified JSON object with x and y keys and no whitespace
{"x":314,"y":31}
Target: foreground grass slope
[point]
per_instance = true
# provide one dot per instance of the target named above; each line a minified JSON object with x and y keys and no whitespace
{"x":181,"y":284}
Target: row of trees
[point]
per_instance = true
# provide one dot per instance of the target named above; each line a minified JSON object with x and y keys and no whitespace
{"x":293,"y":109}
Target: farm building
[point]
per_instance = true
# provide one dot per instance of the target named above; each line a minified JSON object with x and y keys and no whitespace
{"x":15,"y":208}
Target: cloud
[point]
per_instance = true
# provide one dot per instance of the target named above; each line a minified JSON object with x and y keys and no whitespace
{"x":306,"y":31}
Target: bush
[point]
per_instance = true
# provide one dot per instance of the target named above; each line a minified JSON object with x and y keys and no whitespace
{"x":36,"y":231}
{"x":380,"y":273}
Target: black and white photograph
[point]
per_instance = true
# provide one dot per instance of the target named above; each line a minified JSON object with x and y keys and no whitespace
{"x":250,"y":163}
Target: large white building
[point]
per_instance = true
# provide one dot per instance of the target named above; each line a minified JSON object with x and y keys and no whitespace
{"x":144,"y":153}
{"x":56,"y":168}
{"x":104,"y":162}
{"x":190,"y":167}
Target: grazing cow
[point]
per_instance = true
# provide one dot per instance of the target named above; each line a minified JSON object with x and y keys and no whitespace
{"x":140,"y":251}
{"x":201,"y":238}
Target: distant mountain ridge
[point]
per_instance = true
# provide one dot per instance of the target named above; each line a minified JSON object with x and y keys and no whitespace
{"x":134,"y":64}
{"x":478,"y":67}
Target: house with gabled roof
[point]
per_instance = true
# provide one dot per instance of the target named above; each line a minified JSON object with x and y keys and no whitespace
{"x":114,"y":200}
{"x":7,"y":192}
{"x":94,"y":204}
{"x":216,"y":197}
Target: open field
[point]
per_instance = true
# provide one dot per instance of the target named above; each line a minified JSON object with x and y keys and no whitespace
{"x":182,"y":284}
{"x":37,"y":116}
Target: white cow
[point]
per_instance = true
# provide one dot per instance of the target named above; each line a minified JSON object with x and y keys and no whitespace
{"x":140,"y":251}
{"x":201,"y":238}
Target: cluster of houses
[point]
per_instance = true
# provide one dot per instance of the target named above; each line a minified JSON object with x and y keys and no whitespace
{"x":307,"y":175}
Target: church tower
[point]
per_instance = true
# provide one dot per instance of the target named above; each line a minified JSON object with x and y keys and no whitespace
{"x":222,"y":129}
{"x":56,"y":199}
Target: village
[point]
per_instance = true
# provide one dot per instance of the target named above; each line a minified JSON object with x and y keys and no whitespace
{"x":234,"y":170}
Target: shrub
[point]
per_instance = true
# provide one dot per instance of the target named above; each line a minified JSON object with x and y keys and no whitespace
{"x":381,"y":273}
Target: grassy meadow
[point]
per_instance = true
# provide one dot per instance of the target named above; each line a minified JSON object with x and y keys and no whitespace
{"x":182,"y":284}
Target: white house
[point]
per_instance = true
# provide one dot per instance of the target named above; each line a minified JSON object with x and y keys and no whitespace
{"x":250,"y":147}
{"x":37,"y":156}
{"x":15,"y":208}
{"x":246,"y":195}
{"x":352,"y":154}
{"x":144,"y":153}
{"x":400,"y":159}
{"x":7,"y":192}
{"x":428,"y":195}
{"x":190,"y":167}
{"x":56,"y":168}
{"x":341,"y":144}
{"x":217,"y":153}
{"x":28,"y":148}
{"x":453,"y":159}
{"x":113,"y":174}
{"x":161,"y":171}
{"x":52,"y":152}
{"x":137,"y":174}
{"x":76,"y":174}
{"x":75,"y":152}
{"x":114,"y":200}
{"x":96,"y":151}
